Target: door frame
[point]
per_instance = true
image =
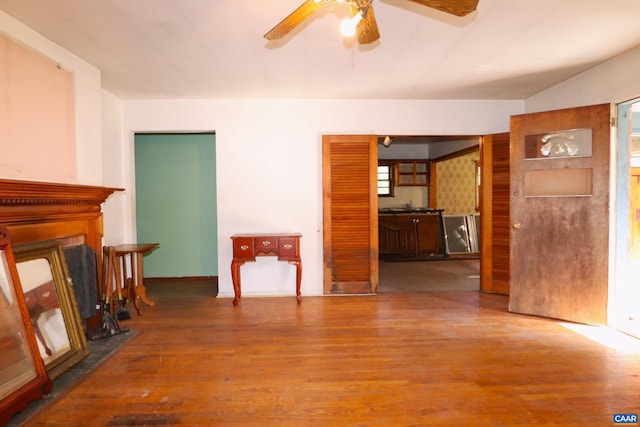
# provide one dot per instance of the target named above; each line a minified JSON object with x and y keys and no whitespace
{"x":622,"y":312}
{"x":327,"y":220}
{"x":204,"y":261}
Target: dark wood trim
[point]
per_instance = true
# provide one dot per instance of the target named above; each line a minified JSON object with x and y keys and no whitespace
{"x":433,"y":188}
{"x":458,"y":153}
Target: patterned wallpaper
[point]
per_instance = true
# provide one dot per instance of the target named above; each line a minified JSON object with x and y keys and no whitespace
{"x":456,"y":184}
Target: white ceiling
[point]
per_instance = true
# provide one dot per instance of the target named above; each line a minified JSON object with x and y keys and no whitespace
{"x":507,"y":49}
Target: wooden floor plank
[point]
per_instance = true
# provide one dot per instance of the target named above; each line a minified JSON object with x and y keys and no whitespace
{"x":406,"y":359}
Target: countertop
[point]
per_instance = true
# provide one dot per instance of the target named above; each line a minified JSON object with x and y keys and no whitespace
{"x":388,"y":211}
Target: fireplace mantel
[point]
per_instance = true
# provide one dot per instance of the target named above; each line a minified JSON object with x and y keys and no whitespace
{"x":30,"y":201}
{"x":37,"y":211}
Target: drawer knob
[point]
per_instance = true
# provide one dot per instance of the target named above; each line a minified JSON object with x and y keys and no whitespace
{"x":288,"y":245}
{"x":46,"y":294}
{"x":244,"y":247}
{"x":266,"y":243}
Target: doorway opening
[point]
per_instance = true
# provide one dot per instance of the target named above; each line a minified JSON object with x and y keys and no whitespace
{"x":429,"y":213}
{"x":624,"y":310}
{"x":175,"y":176}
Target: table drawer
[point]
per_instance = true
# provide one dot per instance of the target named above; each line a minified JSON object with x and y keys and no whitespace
{"x":243,"y":247}
{"x":266,"y":243}
{"x":288,"y":248}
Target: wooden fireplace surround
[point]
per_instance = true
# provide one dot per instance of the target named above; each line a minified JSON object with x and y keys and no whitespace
{"x":38,"y":211}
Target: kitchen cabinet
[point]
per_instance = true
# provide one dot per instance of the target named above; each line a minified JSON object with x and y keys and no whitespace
{"x":410,"y":234}
{"x":413,"y":172}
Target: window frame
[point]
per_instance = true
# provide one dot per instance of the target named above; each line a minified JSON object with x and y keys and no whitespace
{"x":391,"y":180}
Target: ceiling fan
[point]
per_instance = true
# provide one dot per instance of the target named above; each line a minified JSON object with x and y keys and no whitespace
{"x":363,"y":21}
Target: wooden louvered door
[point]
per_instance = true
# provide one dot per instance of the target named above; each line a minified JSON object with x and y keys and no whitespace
{"x":494,"y":214}
{"x":349,"y":171}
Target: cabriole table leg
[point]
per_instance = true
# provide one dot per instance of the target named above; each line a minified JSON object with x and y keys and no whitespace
{"x":235,"y":277}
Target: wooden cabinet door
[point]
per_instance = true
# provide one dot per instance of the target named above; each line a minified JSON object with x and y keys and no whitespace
{"x":429,"y":237}
{"x":387,"y":235}
{"x":413,"y":173}
{"x":350,"y":206}
{"x":560,"y":216}
{"x":406,"y":235}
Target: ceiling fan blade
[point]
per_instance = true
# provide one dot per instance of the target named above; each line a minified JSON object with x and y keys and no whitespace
{"x":367,"y":29}
{"x":295,"y":18}
{"x":454,"y":7}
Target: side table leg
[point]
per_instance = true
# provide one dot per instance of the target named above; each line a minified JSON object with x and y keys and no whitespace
{"x":141,"y":291}
{"x":125,"y":283}
{"x":298,"y":265}
{"x":235,"y":277}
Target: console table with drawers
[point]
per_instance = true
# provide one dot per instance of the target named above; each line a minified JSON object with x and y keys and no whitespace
{"x":246,"y":247}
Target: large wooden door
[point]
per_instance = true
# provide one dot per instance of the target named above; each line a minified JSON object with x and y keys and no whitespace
{"x":494,"y":214}
{"x":350,"y":207}
{"x":560,"y":214}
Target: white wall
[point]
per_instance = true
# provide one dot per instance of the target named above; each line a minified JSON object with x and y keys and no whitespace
{"x":269,"y":152}
{"x":614,"y":81}
{"x":269,"y":164}
{"x":269,"y":155}
{"x":115,"y":175}
{"x":87,"y":97}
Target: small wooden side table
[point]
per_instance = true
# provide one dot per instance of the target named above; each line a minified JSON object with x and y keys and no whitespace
{"x":247,"y":246}
{"x":134,"y":282}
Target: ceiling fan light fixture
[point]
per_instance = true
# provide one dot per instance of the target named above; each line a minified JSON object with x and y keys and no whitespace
{"x":363,"y":19}
{"x":348,"y":26}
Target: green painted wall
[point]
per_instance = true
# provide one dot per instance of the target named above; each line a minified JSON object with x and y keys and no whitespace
{"x":176,"y":203}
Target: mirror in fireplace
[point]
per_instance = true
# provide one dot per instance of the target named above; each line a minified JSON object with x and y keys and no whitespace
{"x":54,"y":313}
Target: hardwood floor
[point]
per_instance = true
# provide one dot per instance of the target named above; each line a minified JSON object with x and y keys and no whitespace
{"x":397,"y":359}
{"x":429,"y":276}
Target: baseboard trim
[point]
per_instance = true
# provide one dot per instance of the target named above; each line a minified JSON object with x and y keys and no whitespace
{"x":184,"y":278}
